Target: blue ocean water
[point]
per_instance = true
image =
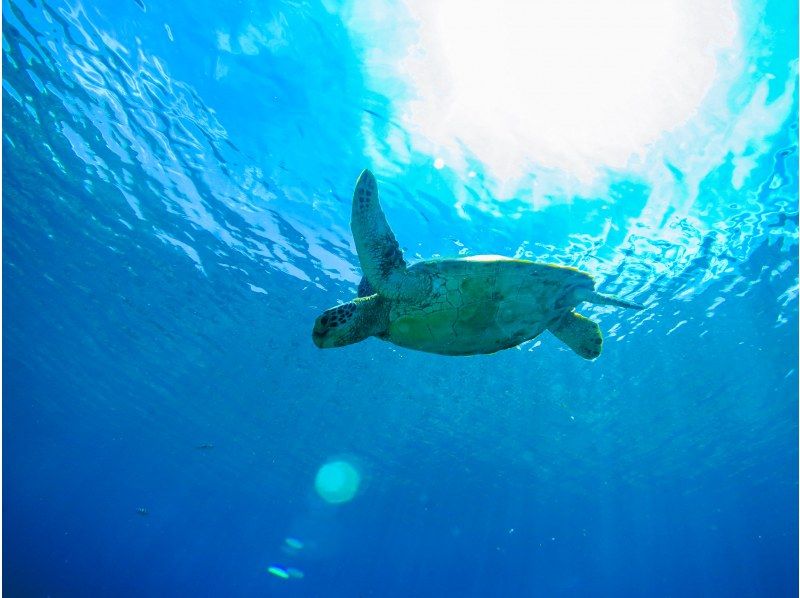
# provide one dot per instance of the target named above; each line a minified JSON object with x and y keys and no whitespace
{"x":176,"y":188}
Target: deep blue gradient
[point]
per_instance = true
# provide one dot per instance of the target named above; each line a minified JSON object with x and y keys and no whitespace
{"x":174,"y":218}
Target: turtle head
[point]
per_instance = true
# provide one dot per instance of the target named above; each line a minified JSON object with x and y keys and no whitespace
{"x":348,"y":323}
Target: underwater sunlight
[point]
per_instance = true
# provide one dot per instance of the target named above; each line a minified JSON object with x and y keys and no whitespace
{"x":375,"y":298}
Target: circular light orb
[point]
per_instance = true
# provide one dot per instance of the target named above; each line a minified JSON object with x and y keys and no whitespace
{"x":337,"y":482}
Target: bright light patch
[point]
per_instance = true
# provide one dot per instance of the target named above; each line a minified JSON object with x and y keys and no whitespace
{"x":278,"y":572}
{"x":294,"y":543}
{"x":337,"y":482}
{"x":576,"y":85}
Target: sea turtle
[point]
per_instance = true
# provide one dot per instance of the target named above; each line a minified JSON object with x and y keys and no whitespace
{"x":463,"y":306}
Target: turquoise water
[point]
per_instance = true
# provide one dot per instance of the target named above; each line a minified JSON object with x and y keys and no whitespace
{"x":176,"y":201}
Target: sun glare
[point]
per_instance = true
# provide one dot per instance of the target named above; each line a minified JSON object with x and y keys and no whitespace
{"x":575,"y":85}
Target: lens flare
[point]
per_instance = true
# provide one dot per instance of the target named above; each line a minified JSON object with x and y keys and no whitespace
{"x":337,"y":482}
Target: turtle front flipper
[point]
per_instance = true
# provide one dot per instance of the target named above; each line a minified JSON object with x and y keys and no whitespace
{"x":364,"y":288}
{"x":378,"y":251}
{"x":580,"y":334}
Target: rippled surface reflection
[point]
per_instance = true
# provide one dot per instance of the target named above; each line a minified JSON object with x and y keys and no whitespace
{"x":176,"y":197}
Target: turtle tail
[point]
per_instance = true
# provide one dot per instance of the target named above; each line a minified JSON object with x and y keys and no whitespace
{"x":599,"y":299}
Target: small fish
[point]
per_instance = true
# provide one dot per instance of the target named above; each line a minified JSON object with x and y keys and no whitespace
{"x":205,"y":447}
{"x":142,"y":511}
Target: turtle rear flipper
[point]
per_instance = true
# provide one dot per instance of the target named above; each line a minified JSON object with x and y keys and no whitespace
{"x":580,"y":334}
{"x":378,"y":251}
{"x":599,"y":299}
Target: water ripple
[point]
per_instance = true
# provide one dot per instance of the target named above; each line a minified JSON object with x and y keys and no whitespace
{"x":169,"y":159}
